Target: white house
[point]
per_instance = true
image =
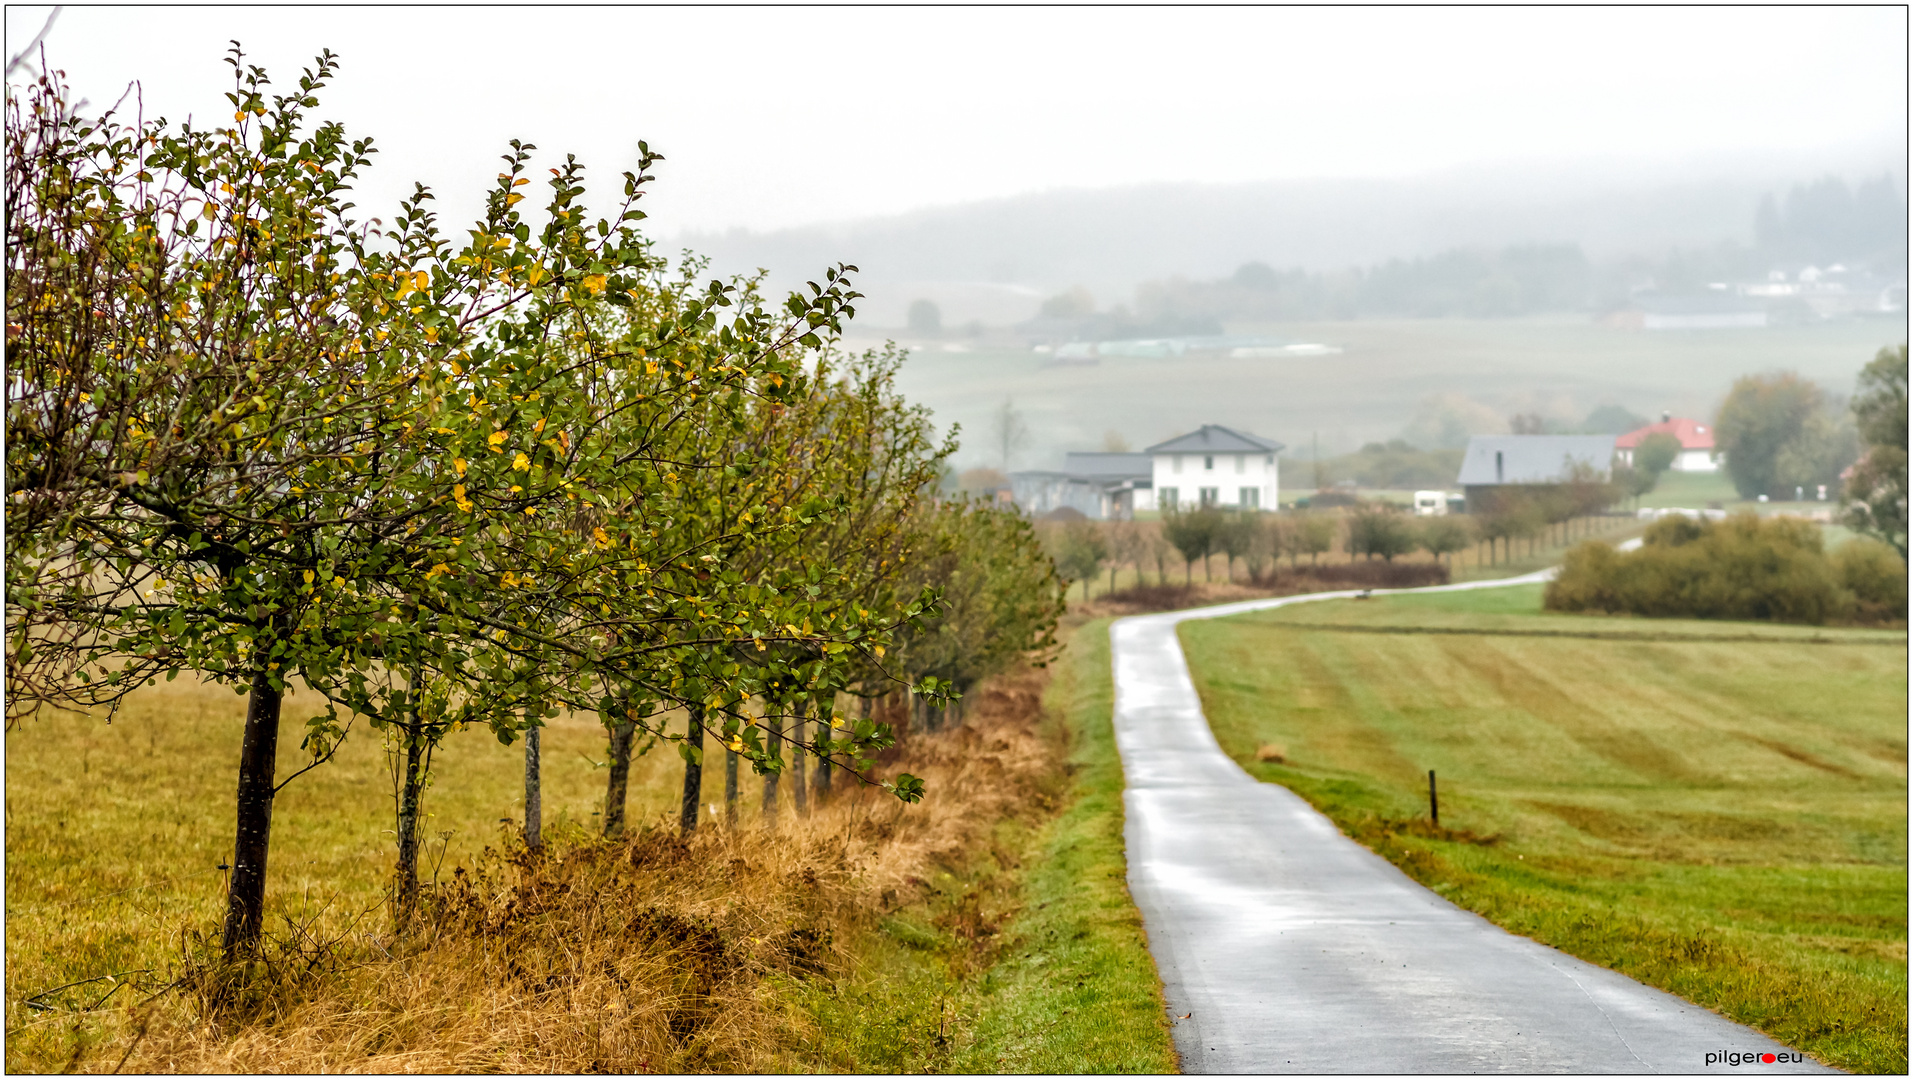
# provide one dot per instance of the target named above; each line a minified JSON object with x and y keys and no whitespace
{"x":1215,"y":466}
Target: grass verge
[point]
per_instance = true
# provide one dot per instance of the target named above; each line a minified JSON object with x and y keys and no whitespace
{"x":1034,"y":960}
{"x":1724,"y":819}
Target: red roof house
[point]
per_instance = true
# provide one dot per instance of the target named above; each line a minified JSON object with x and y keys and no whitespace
{"x":1696,"y":439}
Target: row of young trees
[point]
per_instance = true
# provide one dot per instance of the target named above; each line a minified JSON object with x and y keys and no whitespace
{"x":1260,"y":541}
{"x":447,"y":482}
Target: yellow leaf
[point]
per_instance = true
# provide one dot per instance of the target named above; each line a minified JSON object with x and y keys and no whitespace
{"x":497,"y":439}
{"x":594,"y":283}
{"x":513,"y":199}
{"x":521,"y":461}
{"x":458,"y":466}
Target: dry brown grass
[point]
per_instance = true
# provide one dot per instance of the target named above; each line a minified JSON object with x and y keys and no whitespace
{"x":653,"y":953}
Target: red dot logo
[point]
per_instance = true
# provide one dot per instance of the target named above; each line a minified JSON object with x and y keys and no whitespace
{"x":1768,"y":1058}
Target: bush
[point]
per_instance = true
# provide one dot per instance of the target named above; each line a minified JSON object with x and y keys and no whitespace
{"x":1378,"y":530}
{"x":1873,"y":573}
{"x":1744,"y":568}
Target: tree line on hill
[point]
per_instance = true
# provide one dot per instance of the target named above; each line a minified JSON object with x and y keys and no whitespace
{"x":441,"y":482}
{"x":1818,"y":223}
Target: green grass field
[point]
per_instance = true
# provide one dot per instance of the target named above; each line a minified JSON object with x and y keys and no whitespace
{"x":1717,"y":809}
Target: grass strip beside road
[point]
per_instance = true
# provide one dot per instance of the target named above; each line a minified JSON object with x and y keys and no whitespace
{"x":1082,"y":971}
{"x":1065,"y":984}
{"x":1724,"y":820}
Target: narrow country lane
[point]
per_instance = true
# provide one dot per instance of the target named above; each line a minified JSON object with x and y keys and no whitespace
{"x":1294,"y":949}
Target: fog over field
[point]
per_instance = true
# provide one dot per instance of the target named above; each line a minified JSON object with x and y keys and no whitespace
{"x":1392,"y":378}
{"x":1468,"y":206}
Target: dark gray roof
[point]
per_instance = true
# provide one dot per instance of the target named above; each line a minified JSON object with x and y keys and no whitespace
{"x":1532,"y":459}
{"x":1107,"y":466}
{"x":1215,"y":439}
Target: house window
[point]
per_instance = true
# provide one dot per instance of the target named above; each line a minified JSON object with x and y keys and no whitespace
{"x":1168,"y":500}
{"x":1175,"y":463}
{"x":1249,"y":498}
{"x":1209,"y":496}
{"x":1270,"y":461}
{"x":1208,"y":461}
{"x":1241,"y":463}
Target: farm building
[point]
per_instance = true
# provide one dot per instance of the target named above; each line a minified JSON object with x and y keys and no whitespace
{"x":1696,"y":439}
{"x":1215,"y":466}
{"x":1497,"y":464}
{"x":1102,"y":486}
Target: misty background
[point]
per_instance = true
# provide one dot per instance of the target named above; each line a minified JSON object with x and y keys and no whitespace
{"x":1332,"y":227}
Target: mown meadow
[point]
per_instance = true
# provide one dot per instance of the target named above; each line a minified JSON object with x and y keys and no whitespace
{"x":1714,"y":808}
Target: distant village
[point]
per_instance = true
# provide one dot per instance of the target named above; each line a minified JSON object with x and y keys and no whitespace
{"x":1217,"y":466}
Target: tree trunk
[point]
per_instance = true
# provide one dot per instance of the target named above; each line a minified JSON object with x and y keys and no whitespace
{"x":418,"y":763}
{"x":534,"y":781}
{"x":620,"y":776}
{"x":1112,"y":581}
{"x":774,"y":744}
{"x":730,"y":787}
{"x":258,"y":760}
{"x":799,"y":789}
{"x":823,"y":761}
{"x":411,"y":787}
{"x":693,"y":772}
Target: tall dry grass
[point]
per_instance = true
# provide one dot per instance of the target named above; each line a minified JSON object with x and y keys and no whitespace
{"x":652,"y":953}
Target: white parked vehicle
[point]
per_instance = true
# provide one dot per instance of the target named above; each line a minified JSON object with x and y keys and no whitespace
{"x":1431,"y":503}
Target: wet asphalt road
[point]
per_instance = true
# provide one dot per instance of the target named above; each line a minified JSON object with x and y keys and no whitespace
{"x":1294,"y":949}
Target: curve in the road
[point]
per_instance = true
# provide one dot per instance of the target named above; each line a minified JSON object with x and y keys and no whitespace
{"x":1284,"y":946}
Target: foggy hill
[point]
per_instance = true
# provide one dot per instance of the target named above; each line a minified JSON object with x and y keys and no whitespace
{"x":994,"y":260}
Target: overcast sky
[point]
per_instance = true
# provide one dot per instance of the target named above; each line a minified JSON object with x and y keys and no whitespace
{"x":778,"y":117}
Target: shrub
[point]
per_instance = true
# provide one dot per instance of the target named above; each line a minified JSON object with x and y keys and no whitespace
{"x":1873,"y":573}
{"x":1744,"y":568}
{"x":1377,"y":530}
{"x":1444,"y":535}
